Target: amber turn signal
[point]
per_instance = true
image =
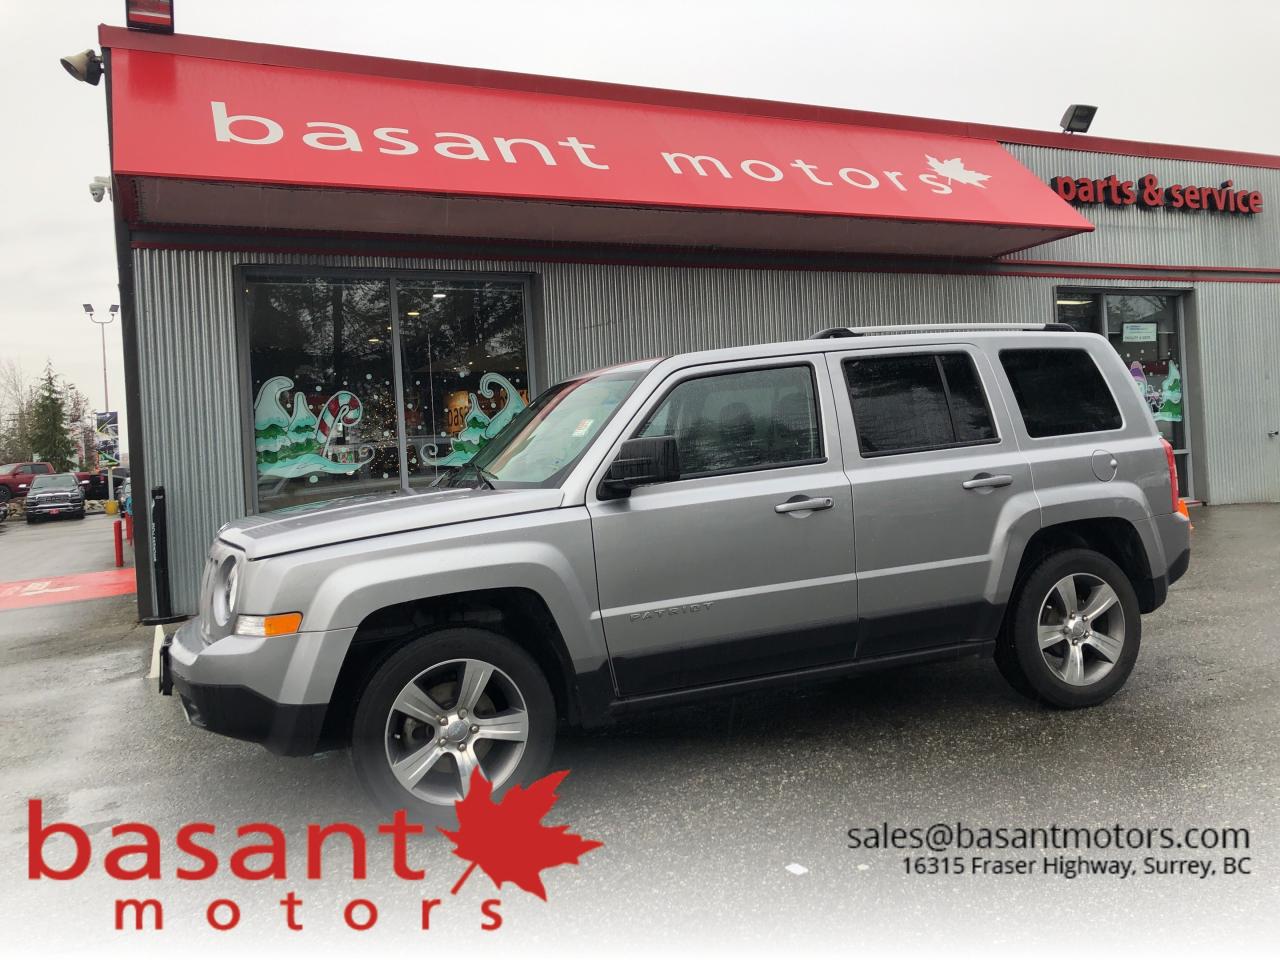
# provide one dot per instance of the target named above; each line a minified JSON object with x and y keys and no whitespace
{"x":272,"y":625}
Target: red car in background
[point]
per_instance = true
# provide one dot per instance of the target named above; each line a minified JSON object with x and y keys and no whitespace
{"x":16,"y":478}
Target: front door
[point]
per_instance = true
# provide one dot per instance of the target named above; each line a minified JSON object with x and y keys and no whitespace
{"x":744,"y":566}
{"x":935,"y":474}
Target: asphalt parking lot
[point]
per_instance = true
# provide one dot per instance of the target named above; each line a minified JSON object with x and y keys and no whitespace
{"x":701,"y":809}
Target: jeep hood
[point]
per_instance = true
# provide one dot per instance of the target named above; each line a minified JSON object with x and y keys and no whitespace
{"x":357,"y":518}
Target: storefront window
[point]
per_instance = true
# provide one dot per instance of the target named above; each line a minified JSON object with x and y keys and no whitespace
{"x":324,"y":410}
{"x":1080,"y":310}
{"x":465,"y":369}
{"x":324,"y":395}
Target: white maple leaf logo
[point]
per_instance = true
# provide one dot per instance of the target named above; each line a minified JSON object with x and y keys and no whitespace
{"x":954,"y":169}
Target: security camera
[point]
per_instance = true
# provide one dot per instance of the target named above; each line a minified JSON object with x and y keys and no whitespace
{"x":86,"y":66}
{"x":99,"y":187}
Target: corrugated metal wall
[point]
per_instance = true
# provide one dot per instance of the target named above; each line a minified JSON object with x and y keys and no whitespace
{"x":596,"y":315}
{"x":1239,"y":329}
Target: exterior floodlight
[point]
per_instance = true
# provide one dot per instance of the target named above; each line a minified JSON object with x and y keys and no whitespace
{"x":115,"y":308}
{"x":155,"y":16}
{"x":86,"y":66}
{"x":1078,"y":118}
{"x":100,"y":188}
{"x":88,"y":308}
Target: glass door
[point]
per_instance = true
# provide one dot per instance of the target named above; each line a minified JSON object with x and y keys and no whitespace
{"x":1145,"y":328}
{"x":464,"y":359}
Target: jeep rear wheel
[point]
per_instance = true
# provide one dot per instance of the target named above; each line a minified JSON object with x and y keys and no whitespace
{"x":449,"y":703}
{"x":1074,"y":633}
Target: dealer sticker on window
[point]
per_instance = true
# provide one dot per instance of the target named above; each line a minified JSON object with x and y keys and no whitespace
{"x":583,"y":426}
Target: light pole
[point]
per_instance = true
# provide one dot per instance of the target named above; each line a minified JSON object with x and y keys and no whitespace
{"x":106,"y":397}
{"x":102,"y":327}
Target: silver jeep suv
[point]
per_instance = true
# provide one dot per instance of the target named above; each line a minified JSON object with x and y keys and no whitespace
{"x":703,"y":524}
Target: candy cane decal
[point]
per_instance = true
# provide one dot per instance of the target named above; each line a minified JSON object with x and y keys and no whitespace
{"x":343,"y":407}
{"x":298,"y":444}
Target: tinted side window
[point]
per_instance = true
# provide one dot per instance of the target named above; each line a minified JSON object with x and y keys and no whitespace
{"x":1060,"y":392}
{"x":748,"y":420}
{"x":39,"y":468}
{"x":918,"y":401}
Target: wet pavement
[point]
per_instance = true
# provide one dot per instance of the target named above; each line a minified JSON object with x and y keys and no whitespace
{"x":701,"y":808}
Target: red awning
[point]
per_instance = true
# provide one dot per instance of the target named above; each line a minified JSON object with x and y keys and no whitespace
{"x":231,"y":143}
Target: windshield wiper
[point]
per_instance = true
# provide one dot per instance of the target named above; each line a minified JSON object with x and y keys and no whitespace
{"x":484,"y":476}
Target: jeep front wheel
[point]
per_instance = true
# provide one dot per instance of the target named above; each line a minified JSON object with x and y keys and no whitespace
{"x":1073,"y":636}
{"x":449,"y":703}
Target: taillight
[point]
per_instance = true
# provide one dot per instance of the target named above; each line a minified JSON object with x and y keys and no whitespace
{"x":1173,"y":474}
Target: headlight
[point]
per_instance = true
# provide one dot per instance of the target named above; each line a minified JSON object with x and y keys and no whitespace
{"x":233,"y":581}
{"x":225,"y":587}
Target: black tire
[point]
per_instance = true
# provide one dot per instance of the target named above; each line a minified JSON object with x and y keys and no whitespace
{"x":5,"y":496}
{"x":30,"y":518}
{"x":78,"y":516}
{"x":1018,"y":653}
{"x":369,"y":733}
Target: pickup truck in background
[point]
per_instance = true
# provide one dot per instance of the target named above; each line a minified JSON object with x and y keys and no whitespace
{"x":15,"y":479}
{"x":97,"y":489}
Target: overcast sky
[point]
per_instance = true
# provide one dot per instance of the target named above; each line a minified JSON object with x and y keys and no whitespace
{"x":1202,"y":73}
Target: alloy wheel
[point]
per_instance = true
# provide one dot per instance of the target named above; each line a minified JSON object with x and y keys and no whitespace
{"x":451,"y":719}
{"x":1081,"y":629}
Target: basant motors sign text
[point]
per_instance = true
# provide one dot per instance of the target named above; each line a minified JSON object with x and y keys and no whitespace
{"x":506,"y":839}
{"x":262,"y":131}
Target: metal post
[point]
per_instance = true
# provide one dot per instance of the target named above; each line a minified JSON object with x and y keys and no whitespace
{"x":160,"y":552}
{"x":106,"y":399}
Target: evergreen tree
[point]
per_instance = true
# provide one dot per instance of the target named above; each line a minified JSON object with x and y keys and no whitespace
{"x":48,"y":432}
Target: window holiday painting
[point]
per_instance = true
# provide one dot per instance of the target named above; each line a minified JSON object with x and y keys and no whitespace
{"x":297,"y":443}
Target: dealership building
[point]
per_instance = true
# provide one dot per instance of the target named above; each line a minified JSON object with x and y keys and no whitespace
{"x":343,"y":274}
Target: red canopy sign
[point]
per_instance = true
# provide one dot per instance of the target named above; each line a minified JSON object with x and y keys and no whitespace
{"x":192,"y":118}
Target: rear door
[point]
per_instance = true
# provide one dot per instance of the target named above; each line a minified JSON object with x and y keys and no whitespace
{"x":938,"y":480}
{"x":744,"y":566}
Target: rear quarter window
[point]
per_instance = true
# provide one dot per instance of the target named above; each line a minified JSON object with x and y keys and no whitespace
{"x":1060,"y":392}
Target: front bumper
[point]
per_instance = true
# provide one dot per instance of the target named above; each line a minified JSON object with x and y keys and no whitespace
{"x":240,"y":686}
{"x":53,"y":509}
{"x":287,"y":729}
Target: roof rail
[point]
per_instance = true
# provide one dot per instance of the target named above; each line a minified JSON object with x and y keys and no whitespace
{"x":833,"y":333}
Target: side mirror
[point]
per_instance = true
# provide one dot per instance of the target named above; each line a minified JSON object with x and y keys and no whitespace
{"x":641,"y":461}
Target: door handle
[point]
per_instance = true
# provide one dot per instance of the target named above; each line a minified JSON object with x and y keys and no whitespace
{"x":987,"y":480}
{"x":810,"y":504}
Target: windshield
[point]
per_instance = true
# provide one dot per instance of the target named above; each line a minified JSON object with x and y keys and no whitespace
{"x":7,"y":469}
{"x":54,"y":481}
{"x":541,"y":445}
